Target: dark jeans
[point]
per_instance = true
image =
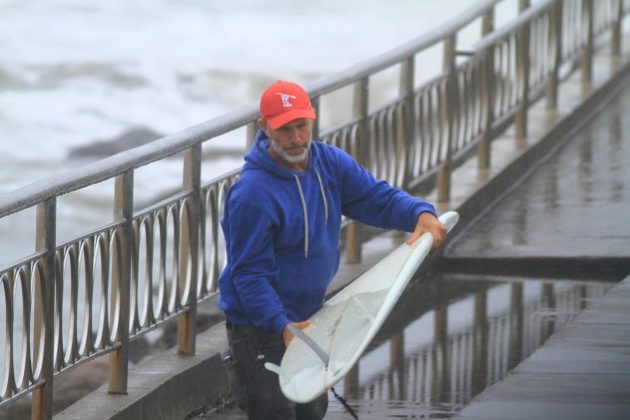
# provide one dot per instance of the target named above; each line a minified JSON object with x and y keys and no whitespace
{"x":252,"y":348}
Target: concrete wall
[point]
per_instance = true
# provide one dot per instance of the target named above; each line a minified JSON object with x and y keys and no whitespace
{"x":166,"y":386}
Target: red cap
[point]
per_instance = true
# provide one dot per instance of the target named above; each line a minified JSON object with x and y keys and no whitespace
{"x":283,"y":102}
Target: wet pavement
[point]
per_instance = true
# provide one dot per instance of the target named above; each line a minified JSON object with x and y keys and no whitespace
{"x":576,"y":205}
{"x":582,"y":372}
{"x":575,"y":208}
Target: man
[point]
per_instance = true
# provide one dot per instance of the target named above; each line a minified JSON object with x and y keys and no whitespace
{"x":282,"y":224}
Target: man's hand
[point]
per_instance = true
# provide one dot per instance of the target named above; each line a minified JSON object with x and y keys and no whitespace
{"x":286,"y":334}
{"x":427,"y":222}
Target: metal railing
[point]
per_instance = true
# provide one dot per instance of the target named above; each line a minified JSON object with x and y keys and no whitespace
{"x":69,"y":303}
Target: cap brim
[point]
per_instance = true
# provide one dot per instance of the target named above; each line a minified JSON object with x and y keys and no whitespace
{"x":286,"y":117}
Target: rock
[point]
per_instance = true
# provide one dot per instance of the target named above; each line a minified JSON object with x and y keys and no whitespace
{"x":133,"y":137}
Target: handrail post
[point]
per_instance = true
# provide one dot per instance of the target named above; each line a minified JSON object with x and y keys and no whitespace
{"x":448,"y":122}
{"x":616,"y":35}
{"x":586,"y":60}
{"x":252,"y":129}
{"x":555,"y":46}
{"x":487,"y":94}
{"x":484,"y":152}
{"x":522,"y":69}
{"x":121,"y":276}
{"x":189,"y":252}
{"x":316,"y":128}
{"x":408,"y":135}
{"x":360,"y":153}
{"x":45,"y":240}
{"x":487,"y":22}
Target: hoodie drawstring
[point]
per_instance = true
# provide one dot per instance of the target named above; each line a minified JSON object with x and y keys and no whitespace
{"x":321,"y":189}
{"x":323,"y":193}
{"x":297,"y":181}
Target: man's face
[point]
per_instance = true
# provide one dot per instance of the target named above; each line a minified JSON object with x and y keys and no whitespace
{"x":290,"y":143}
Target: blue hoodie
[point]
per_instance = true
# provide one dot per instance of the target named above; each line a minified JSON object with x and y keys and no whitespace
{"x":282,"y":229}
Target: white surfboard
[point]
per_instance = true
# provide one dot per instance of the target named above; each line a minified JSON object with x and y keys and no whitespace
{"x":323,"y":353}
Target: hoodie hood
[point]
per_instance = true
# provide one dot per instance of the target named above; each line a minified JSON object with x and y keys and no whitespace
{"x":259,"y":157}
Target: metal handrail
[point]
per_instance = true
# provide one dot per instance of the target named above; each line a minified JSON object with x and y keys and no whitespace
{"x":75,"y":179}
{"x":172,"y":251}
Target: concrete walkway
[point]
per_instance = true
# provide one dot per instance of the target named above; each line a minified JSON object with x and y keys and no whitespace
{"x":571,"y":217}
{"x":575,"y":205}
{"x":582,"y":371}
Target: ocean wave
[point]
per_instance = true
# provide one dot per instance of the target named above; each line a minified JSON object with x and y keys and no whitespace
{"x":228,"y":87}
{"x":54,"y":76}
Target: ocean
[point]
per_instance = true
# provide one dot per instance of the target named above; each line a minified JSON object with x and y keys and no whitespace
{"x":77,"y":72}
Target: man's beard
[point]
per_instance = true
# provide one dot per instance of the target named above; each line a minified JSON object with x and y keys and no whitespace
{"x":282,"y":153}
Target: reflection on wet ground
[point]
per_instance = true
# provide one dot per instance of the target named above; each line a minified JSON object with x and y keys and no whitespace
{"x":449,"y":338}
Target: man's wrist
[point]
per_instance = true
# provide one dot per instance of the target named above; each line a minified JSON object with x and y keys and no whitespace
{"x":279,"y":324}
{"x":427,"y":209}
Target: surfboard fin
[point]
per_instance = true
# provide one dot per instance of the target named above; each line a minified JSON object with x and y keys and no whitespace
{"x":321,"y":353}
{"x":272,"y":367}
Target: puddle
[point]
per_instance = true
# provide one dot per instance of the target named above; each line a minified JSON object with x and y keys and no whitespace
{"x":450,"y":338}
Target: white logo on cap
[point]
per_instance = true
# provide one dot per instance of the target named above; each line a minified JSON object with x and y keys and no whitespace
{"x":284,"y":97}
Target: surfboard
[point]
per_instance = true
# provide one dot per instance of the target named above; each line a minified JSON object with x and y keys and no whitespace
{"x":320,"y":355}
